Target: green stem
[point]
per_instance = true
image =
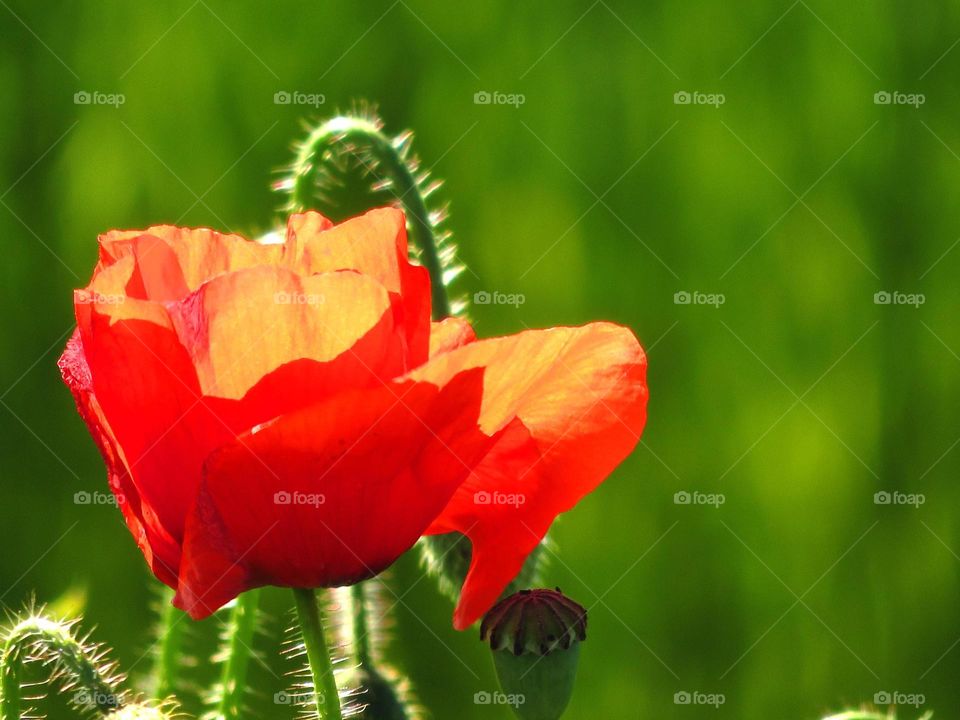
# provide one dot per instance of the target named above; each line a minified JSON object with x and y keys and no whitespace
{"x":361,"y":631}
{"x":170,"y":642}
{"x":237,"y":647}
{"x":361,"y":136}
{"x":321,"y":668}
{"x":49,"y":641}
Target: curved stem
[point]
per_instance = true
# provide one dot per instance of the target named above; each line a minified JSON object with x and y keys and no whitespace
{"x":360,"y":135}
{"x":237,"y":646}
{"x":49,"y":641}
{"x":169,"y":642}
{"x":318,"y":654}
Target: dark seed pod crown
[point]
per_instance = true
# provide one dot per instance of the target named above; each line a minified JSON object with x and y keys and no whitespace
{"x":534,"y":622}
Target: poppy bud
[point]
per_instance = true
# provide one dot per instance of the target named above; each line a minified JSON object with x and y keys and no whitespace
{"x":535,"y":636}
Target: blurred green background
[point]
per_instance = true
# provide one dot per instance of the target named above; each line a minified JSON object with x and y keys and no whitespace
{"x":798,"y":398}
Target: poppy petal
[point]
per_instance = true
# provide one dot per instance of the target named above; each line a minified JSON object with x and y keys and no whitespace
{"x":374,"y":244}
{"x":449,"y":334}
{"x":570,"y":404}
{"x":332,"y":494}
{"x":159,"y":549}
{"x":241,"y":326}
{"x":201,"y":253}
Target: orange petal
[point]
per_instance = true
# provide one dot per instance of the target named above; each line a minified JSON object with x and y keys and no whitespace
{"x":374,"y":244}
{"x":449,"y":334}
{"x":571,"y":404}
{"x":241,"y":326}
{"x":200,"y":252}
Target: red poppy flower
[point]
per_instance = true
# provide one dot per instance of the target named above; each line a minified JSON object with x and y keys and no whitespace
{"x":289,"y":415}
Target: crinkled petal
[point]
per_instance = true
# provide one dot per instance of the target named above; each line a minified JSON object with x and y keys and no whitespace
{"x":201,"y":253}
{"x":332,"y":494}
{"x":569,"y":404}
{"x":374,"y":244}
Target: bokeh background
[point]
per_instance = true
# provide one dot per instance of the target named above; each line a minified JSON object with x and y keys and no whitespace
{"x":783,"y":386}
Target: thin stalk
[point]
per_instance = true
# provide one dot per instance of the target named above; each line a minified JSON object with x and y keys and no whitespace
{"x":237,"y":648}
{"x":169,"y":643}
{"x":318,"y":654}
{"x":361,"y":630}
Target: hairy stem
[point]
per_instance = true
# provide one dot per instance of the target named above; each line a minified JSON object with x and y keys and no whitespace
{"x":388,"y":159}
{"x":169,"y":644}
{"x":360,"y":621}
{"x":318,"y":654}
{"x":237,"y":650}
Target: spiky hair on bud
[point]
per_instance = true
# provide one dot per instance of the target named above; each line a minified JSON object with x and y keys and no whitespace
{"x":79,"y":668}
{"x":355,"y":144}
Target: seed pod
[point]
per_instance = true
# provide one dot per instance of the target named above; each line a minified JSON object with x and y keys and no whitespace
{"x":535,"y":637}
